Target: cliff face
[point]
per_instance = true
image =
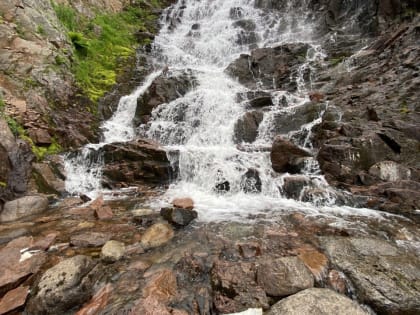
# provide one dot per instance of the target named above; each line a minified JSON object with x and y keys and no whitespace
{"x":54,"y":65}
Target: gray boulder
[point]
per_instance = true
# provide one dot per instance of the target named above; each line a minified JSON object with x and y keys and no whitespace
{"x":316,"y":301}
{"x":23,"y":207}
{"x":246,"y":128}
{"x":284,"y":276}
{"x":65,"y":286}
{"x":385,"y":277}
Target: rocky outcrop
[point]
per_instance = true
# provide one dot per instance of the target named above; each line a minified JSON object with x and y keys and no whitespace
{"x":164,"y":89}
{"x":316,"y":301}
{"x":385,"y":277}
{"x":23,"y":207}
{"x":138,"y":161}
{"x":269,"y":68}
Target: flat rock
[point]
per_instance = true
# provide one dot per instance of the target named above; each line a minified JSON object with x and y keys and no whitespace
{"x":104,"y":213}
{"x":13,"y":299}
{"x":64,"y":286}
{"x":385,"y":277}
{"x":316,"y":301}
{"x":112,"y":251}
{"x":23,"y":207}
{"x":90,"y":239}
{"x":284,"y":276}
{"x":157,"y":235}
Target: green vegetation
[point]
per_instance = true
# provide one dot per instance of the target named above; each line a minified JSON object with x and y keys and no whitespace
{"x":102,"y":44}
{"x":40,"y":30}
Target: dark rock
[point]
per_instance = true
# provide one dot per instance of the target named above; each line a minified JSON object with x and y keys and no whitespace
{"x":138,"y":161}
{"x":251,"y":181}
{"x":269,"y":67}
{"x":41,"y":137}
{"x":178,"y":216}
{"x":316,"y":301}
{"x":285,"y":156}
{"x":64,"y":286}
{"x":164,"y":89}
{"x":246,"y":128}
{"x":236,"y":13}
{"x":294,"y":185}
{"x":385,"y":277}
{"x":23,"y":207}
{"x":284,"y":276}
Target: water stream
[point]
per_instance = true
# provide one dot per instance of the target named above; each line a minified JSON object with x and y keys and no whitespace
{"x":203,"y":38}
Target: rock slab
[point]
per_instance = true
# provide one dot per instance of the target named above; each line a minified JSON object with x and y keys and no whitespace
{"x":23,"y":207}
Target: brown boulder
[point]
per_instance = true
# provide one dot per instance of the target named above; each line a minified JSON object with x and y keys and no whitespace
{"x":184,"y":203}
{"x":13,"y":299}
{"x":286,"y":156}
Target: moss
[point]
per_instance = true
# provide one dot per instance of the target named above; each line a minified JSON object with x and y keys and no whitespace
{"x":40,"y":30}
{"x":102,"y":44}
{"x":336,"y":61}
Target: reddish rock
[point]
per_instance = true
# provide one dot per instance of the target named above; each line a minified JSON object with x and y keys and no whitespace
{"x":40,"y":136}
{"x":316,"y":262}
{"x":97,"y":203}
{"x":90,"y":239}
{"x":13,"y":299}
{"x":98,"y":301}
{"x":161,"y":285}
{"x":316,"y":96}
{"x":149,"y":306}
{"x":104,"y":213}
{"x":44,"y":243}
{"x":184,"y":203}
{"x":139,"y":265}
{"x":13,"y":269}
{"x":337,"y":281}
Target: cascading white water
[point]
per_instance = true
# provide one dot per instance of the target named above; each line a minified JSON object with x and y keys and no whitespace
{"x":202,"y":36}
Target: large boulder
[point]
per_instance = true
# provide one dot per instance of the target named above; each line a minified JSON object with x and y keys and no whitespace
{"x":385,"y":277}
{"x":269,"y":68}
{"x":286,"y":156}
{"x":137,"y":161}
{"x":65,"y":286}
{"x":284,"y":276}
{"x":23,"y":207}
{"x":164,"y":89}
{"x":316,"y":301}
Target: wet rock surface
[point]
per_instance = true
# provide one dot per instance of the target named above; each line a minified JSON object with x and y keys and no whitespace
{"x":286,"y":156}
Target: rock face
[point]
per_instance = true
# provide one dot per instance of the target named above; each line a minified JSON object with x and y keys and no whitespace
{"x":165,"y":88}
{"x":316,"y":301}
{"x":136,"y":161}
{"x":23,"y":207}
{"x":64,"y":286}
{"x":269,"y":68}
{"x":284,"y":276}
{"x":385,"y":277}
{"x":246,"y":128}
{"x":287,"y":157}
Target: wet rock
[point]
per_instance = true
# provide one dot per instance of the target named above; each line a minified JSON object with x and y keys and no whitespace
{"x":164,"y":89}
{"x":251,"y":181}
{"x":48,"y":179}
{"x":98,"y":301}
{"x":89,"y":239}
{"x":183,"y":203}
{"x":284,"y":276}
{"x":43,"y":243}
{"x":138,"y":161}
{"x":104,"y":213}
{"x":162,"y":285}
{"x":13,"y":269}
{"x":236,"y":287}
{"x":149,"y":306}
{"x":250,"y":249}
{"x":294,"y":185}
{"x":337,"y":281}
{"x":246,"y":128}
{"x":13,"y":299}
{"x":157,"y":235}
{"x":23,"y":207}
{"x":316,"y":262}
{"x":178,"y":216}
{"x":385,"y":277}
{"x":269,"y":68}
{"x":112,"y":251}
{"x":64,"y":286}
{"x":247,"y":33}
{"x":286,"y":157}
{"x":316,"y":301}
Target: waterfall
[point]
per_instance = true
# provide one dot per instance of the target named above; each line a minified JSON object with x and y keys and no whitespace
{"x":203,"y":37}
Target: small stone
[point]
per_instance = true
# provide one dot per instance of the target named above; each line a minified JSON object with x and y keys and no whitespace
{"x":104,"y":213}
{"x":112,"y":251}
{"x":13,"y":299}
{"x":178,"y":216}
{"x":90,"y":239}
{"x":157,"y":235}
{"x":284,"y":276}
{"x":183,"y":203}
